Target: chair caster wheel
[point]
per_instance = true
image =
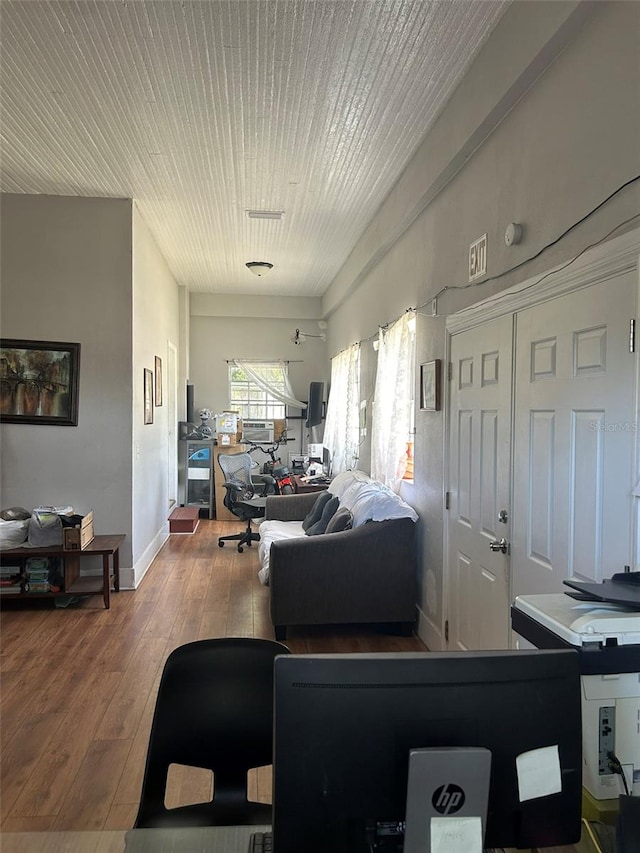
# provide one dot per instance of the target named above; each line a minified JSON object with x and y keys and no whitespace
{"x":220,"y":544}
{"x":240,"y":549}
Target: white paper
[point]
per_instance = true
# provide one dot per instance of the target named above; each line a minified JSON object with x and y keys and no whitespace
{"x":198,"y":474}
{"x":539,"y":773}
{"x":456,"y":835}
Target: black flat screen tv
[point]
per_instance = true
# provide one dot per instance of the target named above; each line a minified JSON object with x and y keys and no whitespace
{"x":344,"y":726}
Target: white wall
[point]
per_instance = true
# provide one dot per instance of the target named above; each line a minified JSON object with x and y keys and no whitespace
{"x":223,"y":327}
{"x":156,"y":321}
{"x":541,"y":130}
{"x":66,"y":276}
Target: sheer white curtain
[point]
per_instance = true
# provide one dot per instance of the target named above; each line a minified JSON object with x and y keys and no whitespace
{"x":342,"y":426}
{"x":392,"y":407}
{"x":261,"y":373}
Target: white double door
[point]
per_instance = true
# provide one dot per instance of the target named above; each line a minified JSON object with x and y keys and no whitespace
{"x":543,"y":428}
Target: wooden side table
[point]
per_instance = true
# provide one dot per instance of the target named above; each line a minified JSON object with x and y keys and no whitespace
{"x":107,"y":546}
{"x":74,"y":584}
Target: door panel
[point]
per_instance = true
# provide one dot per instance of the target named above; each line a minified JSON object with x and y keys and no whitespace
{"x":480,"y":409}
{"x":574,"y":438}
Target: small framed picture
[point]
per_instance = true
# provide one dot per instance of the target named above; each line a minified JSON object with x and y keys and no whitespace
{"x":430,"y":379}
{"x":158,"y":377}
{"x":148,"y":396}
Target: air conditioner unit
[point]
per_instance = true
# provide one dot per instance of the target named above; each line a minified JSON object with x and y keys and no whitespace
{"x":258,"y":432}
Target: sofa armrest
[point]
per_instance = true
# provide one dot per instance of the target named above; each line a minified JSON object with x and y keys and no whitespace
{"x":367,"y":574}
{"x":289,"y":507}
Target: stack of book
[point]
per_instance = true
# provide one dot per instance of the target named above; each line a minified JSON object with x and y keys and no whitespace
{"x":37,"y":575}
{"x":10,"y":580}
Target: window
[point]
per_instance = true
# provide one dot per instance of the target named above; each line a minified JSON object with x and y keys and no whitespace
{"x":342,"y":427}
{"x":256,"y":402}
{"x":393,"y":407}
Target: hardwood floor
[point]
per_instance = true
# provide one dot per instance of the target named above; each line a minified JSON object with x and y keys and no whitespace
{"x":79,"y":684}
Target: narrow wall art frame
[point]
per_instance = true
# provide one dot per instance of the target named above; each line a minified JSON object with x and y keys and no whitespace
{"x":157,"y":395}
{"x":430,"y":382}
{"x":148,"y":396}
{"x":39,"y":382}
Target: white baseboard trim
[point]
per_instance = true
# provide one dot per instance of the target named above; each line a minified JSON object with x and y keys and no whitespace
{"x":430,"y":633}
{"x":130,"y":578}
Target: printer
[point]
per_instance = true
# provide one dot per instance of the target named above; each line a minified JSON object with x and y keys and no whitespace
{"x":607,"y":636}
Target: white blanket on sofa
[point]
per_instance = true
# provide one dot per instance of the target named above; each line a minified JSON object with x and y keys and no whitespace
{"x":274,"y":531}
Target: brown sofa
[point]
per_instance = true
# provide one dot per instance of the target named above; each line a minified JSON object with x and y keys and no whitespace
{"x":363,"y":575}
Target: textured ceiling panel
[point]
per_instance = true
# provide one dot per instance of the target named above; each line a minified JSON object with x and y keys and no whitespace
{"x":203,"y":110}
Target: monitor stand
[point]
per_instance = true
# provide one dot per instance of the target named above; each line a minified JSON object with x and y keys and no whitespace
{"x":445,"y":783}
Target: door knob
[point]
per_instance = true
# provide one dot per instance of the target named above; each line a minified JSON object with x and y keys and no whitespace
{"x":499,"y":546}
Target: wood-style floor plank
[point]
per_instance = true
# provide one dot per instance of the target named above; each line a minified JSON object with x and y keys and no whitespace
{"x":79,"y":684}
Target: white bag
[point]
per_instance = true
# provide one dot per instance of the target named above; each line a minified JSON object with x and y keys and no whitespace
{"x":13,"y":533}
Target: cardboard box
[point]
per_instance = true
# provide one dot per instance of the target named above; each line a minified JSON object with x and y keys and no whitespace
{"x":77,"y":538}
{"x":227,"y":439}
{"x":227,"y":422}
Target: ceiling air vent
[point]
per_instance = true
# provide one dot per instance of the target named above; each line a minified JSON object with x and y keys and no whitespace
{"x":265,"y":214}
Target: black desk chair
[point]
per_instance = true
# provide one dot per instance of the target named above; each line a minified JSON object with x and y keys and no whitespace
{"x":244,"y":495}
{"x":214,"y":710}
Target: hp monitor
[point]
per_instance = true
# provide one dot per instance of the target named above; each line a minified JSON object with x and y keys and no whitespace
{"x":345,"y":725}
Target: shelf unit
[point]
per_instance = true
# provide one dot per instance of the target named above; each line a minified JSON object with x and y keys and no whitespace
{"x":195,"y":474}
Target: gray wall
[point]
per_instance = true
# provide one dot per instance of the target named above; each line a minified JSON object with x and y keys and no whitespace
{"x":67,"y":275}
{"x":541,"y":130}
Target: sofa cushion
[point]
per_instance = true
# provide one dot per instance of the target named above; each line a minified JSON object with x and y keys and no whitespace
{"x":328,"y":511}
{"x":315,"y":512}
{"x":341,"y":520}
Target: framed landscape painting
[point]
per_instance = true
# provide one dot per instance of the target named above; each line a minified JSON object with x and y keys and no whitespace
{"x":39,"y":382}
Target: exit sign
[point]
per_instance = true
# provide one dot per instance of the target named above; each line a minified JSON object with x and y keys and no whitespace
{"x":478,"y":258}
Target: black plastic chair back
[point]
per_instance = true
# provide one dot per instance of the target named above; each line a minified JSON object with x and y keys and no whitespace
{"x":214,"y":710}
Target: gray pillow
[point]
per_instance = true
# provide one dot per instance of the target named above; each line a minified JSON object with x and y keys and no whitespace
{"x":327,"y":512}
{"x":342,"y":519}
{"x":315,"y":512}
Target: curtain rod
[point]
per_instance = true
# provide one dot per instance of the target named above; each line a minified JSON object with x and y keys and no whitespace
{"x":267,"y":360}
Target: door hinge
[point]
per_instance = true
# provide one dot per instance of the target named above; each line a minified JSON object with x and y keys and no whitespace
{"x":447,"y":499}
{"x":632,"y":335}
{"x":449,"y":370}
{"x":446,"y":631}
